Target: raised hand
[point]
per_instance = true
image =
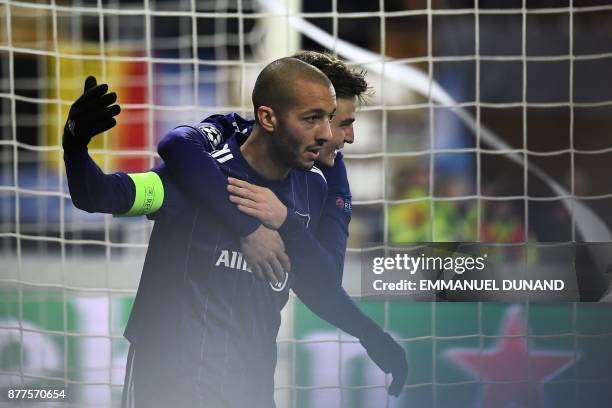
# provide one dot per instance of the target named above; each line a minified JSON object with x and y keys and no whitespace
{"x":92,"y":113}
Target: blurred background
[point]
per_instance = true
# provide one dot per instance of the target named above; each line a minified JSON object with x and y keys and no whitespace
{"x":491,"y":121}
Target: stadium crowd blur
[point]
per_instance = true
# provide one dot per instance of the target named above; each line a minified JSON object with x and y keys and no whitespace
{"x":524,"y":88}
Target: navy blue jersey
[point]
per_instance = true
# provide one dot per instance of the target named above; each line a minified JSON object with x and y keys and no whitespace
{"x":198,"y":297}
{"x":332,"y":232}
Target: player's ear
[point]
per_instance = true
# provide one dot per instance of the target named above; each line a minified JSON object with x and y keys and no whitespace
{"x":266,"y":118}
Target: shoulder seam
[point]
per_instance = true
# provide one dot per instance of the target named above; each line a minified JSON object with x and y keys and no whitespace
{"x":318,"y":171}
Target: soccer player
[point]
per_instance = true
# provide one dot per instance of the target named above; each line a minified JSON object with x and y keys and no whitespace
{"x":203,"y":329}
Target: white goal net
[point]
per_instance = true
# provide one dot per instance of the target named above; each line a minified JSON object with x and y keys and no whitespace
{"x":490,"y":122}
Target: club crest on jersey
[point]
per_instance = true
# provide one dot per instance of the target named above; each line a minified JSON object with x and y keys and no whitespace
{"x":344,"y":203}
{"x":211,"y":133}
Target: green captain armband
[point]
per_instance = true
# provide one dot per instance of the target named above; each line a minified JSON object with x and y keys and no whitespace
{"x":149,"y":194}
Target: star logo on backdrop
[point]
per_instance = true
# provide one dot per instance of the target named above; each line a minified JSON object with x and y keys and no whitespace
{"x":512,"y":370}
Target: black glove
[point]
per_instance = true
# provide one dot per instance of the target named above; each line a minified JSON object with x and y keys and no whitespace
{"x":90,"y":115}
{"x":390,"y":357}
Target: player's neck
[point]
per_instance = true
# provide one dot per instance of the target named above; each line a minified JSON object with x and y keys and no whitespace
{"x":256,"y":150}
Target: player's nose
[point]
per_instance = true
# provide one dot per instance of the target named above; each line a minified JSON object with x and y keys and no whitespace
{"x":349,"y":135}
{"x":325,"y":134}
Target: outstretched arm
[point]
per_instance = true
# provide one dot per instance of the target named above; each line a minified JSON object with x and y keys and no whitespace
{"x":94,"y":191}
{"x":90,"y":188}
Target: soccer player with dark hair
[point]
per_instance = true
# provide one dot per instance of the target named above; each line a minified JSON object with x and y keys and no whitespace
{"x":203,"y":328}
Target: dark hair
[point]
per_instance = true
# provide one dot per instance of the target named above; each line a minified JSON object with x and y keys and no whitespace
{"x":347,"y":82}
{"x":276,"y":84}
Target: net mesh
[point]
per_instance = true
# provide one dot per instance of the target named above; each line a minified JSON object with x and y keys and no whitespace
{"x":490,"y":122}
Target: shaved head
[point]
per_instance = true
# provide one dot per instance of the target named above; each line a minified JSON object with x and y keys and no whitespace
{"x":277,"y":84}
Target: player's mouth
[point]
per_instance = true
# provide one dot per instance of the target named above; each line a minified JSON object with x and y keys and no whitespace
{"x":313,"y":152}
{"x":337,"y":150}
